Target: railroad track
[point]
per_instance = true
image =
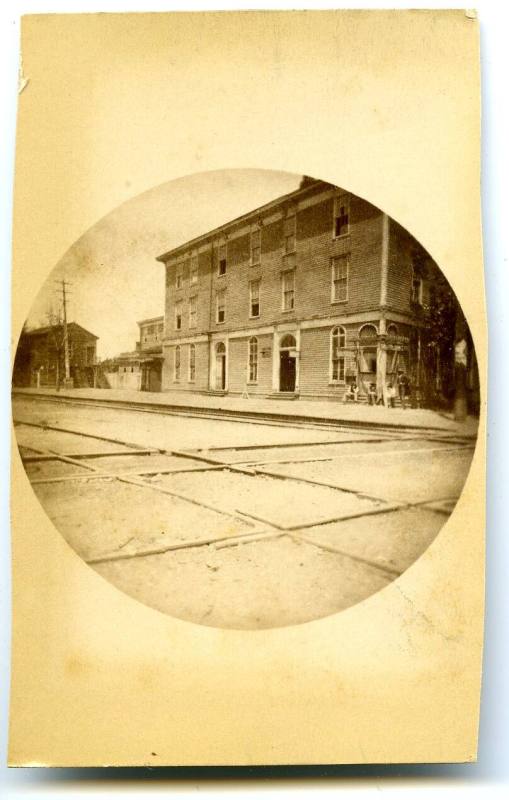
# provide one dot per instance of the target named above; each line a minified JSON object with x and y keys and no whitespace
{"x":277,"y":419}
{"x":261,"y":526}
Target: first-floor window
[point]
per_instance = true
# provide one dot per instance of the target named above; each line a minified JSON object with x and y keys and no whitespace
{"x":176,"y":364}
{"x":192,"y":362}
{"x":221,"y":306}
{"x":338,"y":341}
{"x":288,"y":287}
{"x":253,"y":359}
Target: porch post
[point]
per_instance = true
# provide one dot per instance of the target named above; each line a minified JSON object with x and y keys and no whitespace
{"x":275,"y":361}
{"x":381,"y":370}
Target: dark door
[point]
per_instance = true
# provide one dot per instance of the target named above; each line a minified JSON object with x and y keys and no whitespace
{"x":287,"y":372}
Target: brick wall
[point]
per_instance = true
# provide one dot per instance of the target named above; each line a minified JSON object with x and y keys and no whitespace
{"x":315,"y":354}
{"x":151,"y":334}
{"x":201,"y":381}
{"x":238,"y":363}
{"x":315,"y":246}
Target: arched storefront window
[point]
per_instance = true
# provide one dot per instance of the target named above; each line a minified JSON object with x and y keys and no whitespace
{"x":252,"y":354}
{"x":368,"y":332}
{"x":368,"y":336}
{"x":338,"y":342}
{"x":287,"y":342}
{"x":192,"y":363}
{"x":220,"y":366}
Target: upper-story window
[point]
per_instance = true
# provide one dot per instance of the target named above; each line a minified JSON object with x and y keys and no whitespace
{"x":289,"y":232}
{"x":221,"y":306}
{"x":416,"y":288}
{"x":179,"y":275}
{"x":178,"y":315}
{"x":254,"y":298}
{"x":339,"y":288}
{"x":222,"y":256}
{"x":192,"y":311}
{"x":288,"y":290}
{"x":341,"y":215}
{"x":193,"y":271}
{"x":256,"y":246}
{"x":338,"y":343}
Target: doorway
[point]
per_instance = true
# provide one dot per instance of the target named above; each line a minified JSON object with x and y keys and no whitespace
{"x":287,"y":364}
{"x":220,"y":367}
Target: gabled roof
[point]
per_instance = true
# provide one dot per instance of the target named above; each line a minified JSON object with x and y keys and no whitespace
{"x":47,"y":328}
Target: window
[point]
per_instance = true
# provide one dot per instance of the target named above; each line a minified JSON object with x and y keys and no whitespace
{"x":252,"y":354}
{"x":192,"y":363}
{"x":338,"y":341}
{"x":289,"y":237}
{"x":254,"y":298}
{"x":221,"y":306}
{"x":392,"y":329}
{"x":179,"y":276}
{"x":192,"y":312}
{"x":339,"y":279}
{"x":178,"y":315}
{"x":288,"y":289}
{"x":222,"y":260}
{"x":416,"y":288}
{"x":256,"y":246}
{"x":176,"y":364}
{"x":341,"y":215}
{"x":193,"y":274}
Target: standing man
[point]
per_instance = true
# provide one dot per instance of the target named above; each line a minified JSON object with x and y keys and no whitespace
{"x":403,"y":385}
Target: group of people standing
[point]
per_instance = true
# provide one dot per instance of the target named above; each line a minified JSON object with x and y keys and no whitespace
{"x":399,"y":388}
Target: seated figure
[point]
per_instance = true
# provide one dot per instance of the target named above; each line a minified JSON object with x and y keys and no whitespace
{"x":352,"y":393}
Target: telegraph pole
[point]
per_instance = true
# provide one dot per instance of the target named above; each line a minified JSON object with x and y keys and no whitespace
{"x":67,"y":361}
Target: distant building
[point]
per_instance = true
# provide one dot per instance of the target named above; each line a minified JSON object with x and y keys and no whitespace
{"x":141,"y":369}
{"x":40,"y":357}
{"x":297,"y":298}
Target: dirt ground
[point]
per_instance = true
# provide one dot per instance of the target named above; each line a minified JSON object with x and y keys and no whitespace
{"x":311,"y":558}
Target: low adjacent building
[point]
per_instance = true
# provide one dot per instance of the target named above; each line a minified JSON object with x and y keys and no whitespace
{"x":40,"y":356}
{"x":140,"y":369}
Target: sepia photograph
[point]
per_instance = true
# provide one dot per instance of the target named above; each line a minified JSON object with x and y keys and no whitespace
{"x":247,"y":398}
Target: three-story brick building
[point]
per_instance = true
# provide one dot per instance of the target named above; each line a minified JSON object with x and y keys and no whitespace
{"x":295,"y":299}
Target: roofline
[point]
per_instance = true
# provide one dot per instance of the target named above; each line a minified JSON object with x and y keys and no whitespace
{"x":256,"y":211}
{"x":46,"y":328}
{"x":151,"y":319}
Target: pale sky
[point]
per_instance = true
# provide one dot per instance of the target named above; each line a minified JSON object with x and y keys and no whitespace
{"x":115,"y":278}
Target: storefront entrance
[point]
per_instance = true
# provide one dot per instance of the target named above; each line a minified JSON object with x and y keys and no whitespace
{"x":287,"y":364}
